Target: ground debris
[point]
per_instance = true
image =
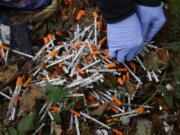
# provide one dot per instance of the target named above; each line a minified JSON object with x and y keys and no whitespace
{"x":47,"y":12}
{"x":29,"y":100}
{"x":100,"y":110}
{"x":130,"y":87}
{"x":76,"y":87}
{"x":8,"y":73}
{"x":57,"y":128}
{"x":86,"y":129}
{"x":144,"y":127}
{"x":152,"y":62}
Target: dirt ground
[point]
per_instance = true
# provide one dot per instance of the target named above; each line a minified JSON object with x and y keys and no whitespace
{"x":165,"y":115}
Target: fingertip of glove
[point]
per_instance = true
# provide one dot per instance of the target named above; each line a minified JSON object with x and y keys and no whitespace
{"x":112,"y":54}
{"x":120,"y":56}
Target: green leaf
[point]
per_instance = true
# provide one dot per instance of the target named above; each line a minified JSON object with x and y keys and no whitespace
{"x":57,"y":117}
{"x":55,"y":94}
{"x":175,"y":5}
{"x":174,"y":67}
{"x":175,"y":46}
{"x":26,"y":124}
{"x":69,"y":106}
{"x":12,"y":131}
{"x":167,"y":95}
{"x":169,"y":100}
{"x":177,"y":74}
{"x":177,"y":91}
{"x":162,"y":88}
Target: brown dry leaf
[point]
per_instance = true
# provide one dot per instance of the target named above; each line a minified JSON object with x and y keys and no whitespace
{"x":100,"y":110}
{"x":87,"y":2}
{"x":47,"y":12}
{"x":8,"y":73}
{"x":161,"y":102}
{"x":64,"y":18}
{"x":57,"y":128}
{"x":86,"y":129}
{"x":130,"y":87}
{"x":28,"y":103}
{"x":156,"y":119}
{"x":36,"y":91}
{"x":29,"y":100}
{"x":26,"y":68}
{"x":152,"y":62}
{"x":163,"y":55}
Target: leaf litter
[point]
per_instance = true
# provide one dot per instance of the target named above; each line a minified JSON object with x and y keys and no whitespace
{"x":57,"y":98}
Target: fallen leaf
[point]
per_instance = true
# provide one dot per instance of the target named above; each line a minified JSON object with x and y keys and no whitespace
{"x":29,"y":100}
{"x":36,"y":91}
{"x":57,"y":128}
{"x":64,"y":18}
{"x":152,"y":62}
{"x":87,"y":2}
{"x":148,"y":87}
{"x":28,"y":103}
{"x":86,"y":129}
{"x":47,"y":12}
{"x":26,"y":124}
{"x":26,"y":67}
{"x":12,"y":131}
{"x":163,"y":54}
{"x":55,"y":94}
{"x":143,"y":127}
{"x":156,"y":119}
{"x":100,"y":110}
{"x":162,"y":103}
{"x":130,"y":87}
{"x":8,"y":73}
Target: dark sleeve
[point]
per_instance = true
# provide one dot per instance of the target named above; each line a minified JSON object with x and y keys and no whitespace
{"x":151,"y":3}
{"x":116,"y":10}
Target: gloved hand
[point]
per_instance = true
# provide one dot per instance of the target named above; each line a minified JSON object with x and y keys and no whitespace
{"x":152,"y":19}
{"x":125,"y":38}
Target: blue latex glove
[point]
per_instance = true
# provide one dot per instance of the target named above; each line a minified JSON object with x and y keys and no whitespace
{"x":152,"y":19}
{"x":125,"y":38}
